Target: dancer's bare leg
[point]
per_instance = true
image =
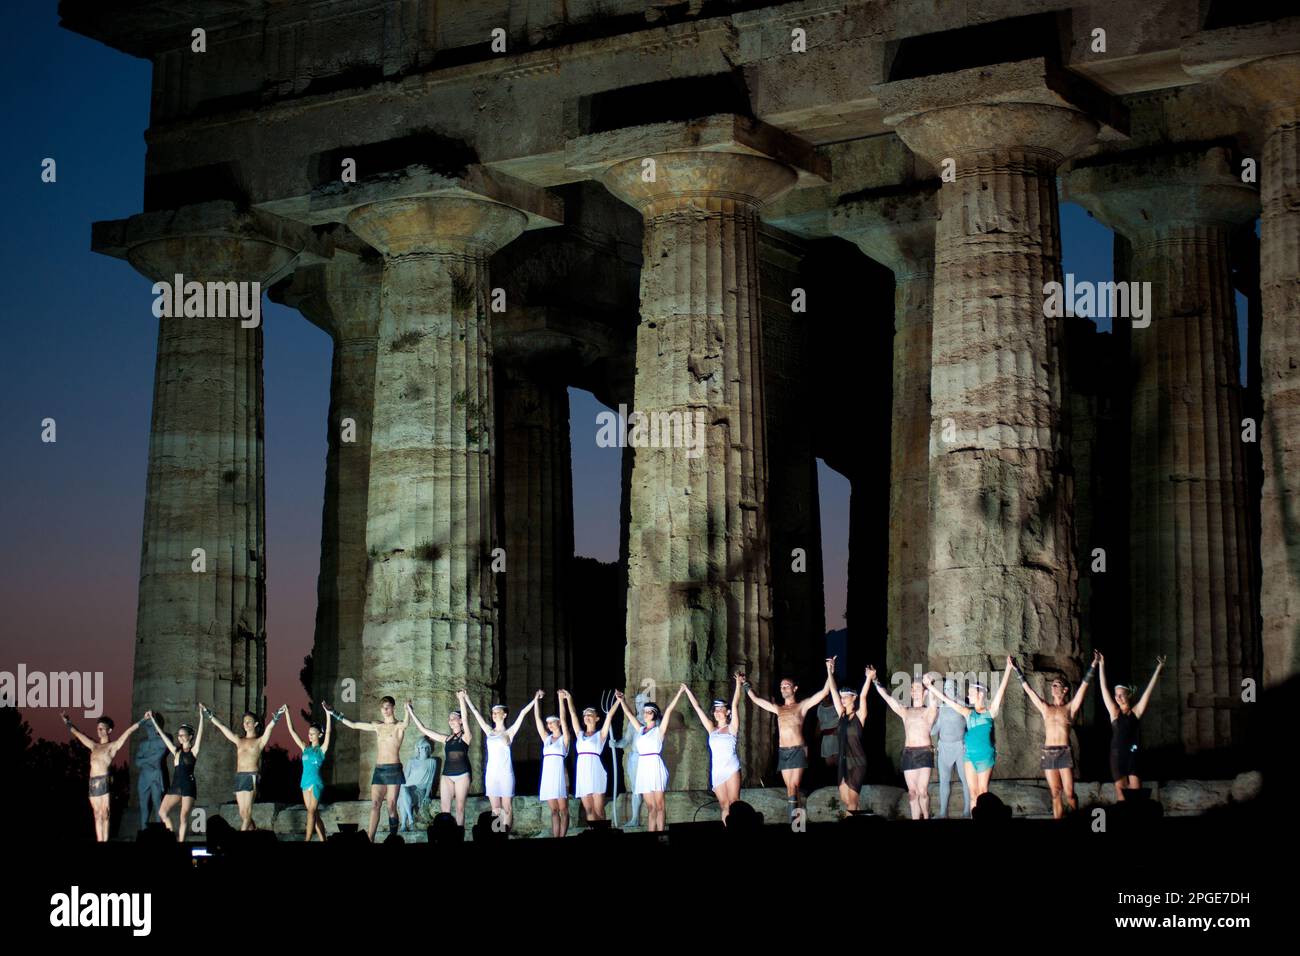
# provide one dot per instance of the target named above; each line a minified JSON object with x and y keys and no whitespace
{"x":376,"y":803}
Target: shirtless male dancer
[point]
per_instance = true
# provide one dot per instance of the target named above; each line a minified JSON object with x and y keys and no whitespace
{"x":248,"y":758}
{"x":792,"y":758}
{"x":387,"y":778}
{"x":918,"y":755}
{"x":102,"y":752}
{"x":1057,"y":763}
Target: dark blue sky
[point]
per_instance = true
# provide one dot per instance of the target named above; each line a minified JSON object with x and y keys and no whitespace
{"x":79,"y":348}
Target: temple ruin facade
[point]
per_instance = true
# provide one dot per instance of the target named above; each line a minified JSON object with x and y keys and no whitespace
{"x":825,"y":230}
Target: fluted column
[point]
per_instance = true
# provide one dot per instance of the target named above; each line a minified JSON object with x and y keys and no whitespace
{"x":1268,"y":88}
{"x":699,"y":598}
{"x":430,"y":620}
{"x":200,"y":634}
{"x":1190,"y":568}
{"x":1002,"y":573}
{"x":897,"y":230}
{"x":342,"y":298}
{"x":537,"y":518}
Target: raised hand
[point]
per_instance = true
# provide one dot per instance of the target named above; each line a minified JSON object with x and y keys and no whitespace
{"x":871,"y":673}
{"x":830,"y":665}
{"x":1160,"y":660}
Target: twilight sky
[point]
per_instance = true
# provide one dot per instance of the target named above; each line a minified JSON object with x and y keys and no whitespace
{"x":79,"y":348}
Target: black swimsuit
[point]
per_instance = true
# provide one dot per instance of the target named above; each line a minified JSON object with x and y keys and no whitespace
{"x":457,"y":756}
{"x":1125,"y":732}
{"x":183,"y":784}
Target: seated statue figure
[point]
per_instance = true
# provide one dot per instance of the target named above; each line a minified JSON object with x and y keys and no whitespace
{"x":420,"y":771}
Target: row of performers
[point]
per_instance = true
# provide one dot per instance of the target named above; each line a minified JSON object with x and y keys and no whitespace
{"x":970,"y":723}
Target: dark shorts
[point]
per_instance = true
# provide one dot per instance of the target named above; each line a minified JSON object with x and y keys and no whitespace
{"x":792,"y":758}
{"x":183,"y":788}
{"x":387,"y":774}
{"x":99,"y":786}
{"x":852,"y":771}
{"x":918,"y":758}
{"x":245,"y":782}
{"x":1056,"y":758}
{"x":1123,"y":763}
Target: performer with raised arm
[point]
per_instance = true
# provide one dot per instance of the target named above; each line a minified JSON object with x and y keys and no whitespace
{"x":978,"y":743}
{"x":1057,"y":762}
{"x":248,"y":758}
{"x":792,"y":755}
{"x":183,"y":788}
{"x":454,"y":783}
{"x":102,"y":752}
{"x":651,"y":771}
{"x":851,"y":769}
{"x":554,"y":787}
{"x":918,"y":755}
{"x":950,"y":729}
{"x":1125,"y":727}
{"x":590,"y":779}
{"x":387,"y":777}
{"x":725,"y":765}
{"x":311,"y":783}
{"x":499,"y":774}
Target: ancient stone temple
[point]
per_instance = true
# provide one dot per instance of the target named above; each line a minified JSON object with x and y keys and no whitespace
{"x":784,"y":232}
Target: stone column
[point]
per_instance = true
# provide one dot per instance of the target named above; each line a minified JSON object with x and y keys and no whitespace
{"x":537,"y":517}
{"x":200,"y":634}
{"x":1189,"y":544}
{"x":1002,"y":571}
{"x":896,"y":229}
{"x":1267,"y":87}
{"x":342,"y":298}
{"x":430,"y":619}
{"x":699,"y":599}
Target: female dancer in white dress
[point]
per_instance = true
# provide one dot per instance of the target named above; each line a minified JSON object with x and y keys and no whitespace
{"x":554,"y":789}
{"x":591,"y":779}
{"x":651,"y":771}
{"x":725,"y":776}
{"x":499,"y":774}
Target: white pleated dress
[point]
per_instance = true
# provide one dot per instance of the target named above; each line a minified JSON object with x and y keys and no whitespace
{"x":555,"y":783}
{"x":651,"y":771}
{"x":499,"y":774}
{"x":722,"y":748}
{"x":591,"y":776}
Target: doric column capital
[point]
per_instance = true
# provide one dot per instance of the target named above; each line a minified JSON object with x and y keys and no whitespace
{"x":1052,"y":133}
{"x":206,"y":242}
{"x":700,"y":164}
{"x":683,"y":178}
{"x":1029,"y":107}
{"x":339,"y":297}
{"x":436,"y":224}
{"x":1142,"y":195}
{"x":1268,"y":88}
{"x":894,"y":226}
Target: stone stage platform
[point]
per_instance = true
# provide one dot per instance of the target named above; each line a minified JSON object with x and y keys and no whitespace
{"x":1026,"y":798}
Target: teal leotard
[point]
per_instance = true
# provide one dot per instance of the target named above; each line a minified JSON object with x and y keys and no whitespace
{"x":312,"y":758}
{"x":979,"y":740}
